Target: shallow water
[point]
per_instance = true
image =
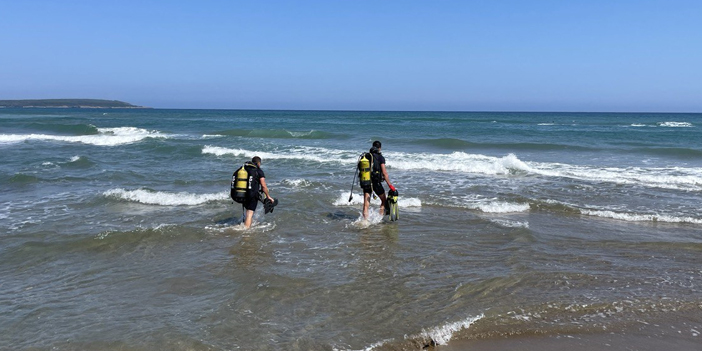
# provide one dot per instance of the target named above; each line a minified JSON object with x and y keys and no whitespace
{"x":117,"y":230}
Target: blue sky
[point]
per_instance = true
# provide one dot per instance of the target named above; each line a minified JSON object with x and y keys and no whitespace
{"x":358,"y":55}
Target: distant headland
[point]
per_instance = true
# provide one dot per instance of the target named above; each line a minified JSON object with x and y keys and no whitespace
{"x":66,"y":103}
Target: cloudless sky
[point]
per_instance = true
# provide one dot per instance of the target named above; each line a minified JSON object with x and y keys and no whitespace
{"x":489,"y":55}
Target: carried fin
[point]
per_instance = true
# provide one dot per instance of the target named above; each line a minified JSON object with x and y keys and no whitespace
{"x":269,"y":205}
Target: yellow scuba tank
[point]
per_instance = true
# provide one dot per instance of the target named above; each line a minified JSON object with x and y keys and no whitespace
{"x":241,"y":184}
{"x":364,"y":171}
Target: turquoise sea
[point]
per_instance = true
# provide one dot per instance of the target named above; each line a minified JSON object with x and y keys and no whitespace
{"x":517,"y":231}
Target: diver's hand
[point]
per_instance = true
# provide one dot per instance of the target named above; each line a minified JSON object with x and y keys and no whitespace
{"x":392,"y":187}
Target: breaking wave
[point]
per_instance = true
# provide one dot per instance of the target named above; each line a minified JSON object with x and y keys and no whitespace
{"x":675,"y":124}
{"x":163,"y":198}
{"x":486,"y":205}
{"x":676,"y":178}
{"x":104,"y":137}
{"x":320,"y":155}
{"x":502,"y":207}
{"x":427,"y":338}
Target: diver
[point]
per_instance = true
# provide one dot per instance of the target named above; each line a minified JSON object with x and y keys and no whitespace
{"x":378,"y":174}
{"x":247,"y":183}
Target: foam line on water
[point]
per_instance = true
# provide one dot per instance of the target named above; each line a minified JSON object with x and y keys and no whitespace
{"x":502,"y":207}
{"x":487,"y":205}
{"x":634,"y":217}
{"x":673,"y":124}
{"x":296,"y":183}
{"x":510,"y":224}
{"x":676,"y":178}
{"x":343,"y":200}
{"x":164,"y":198}
{"x":105,"y":136}
{"x":440,"y":335}
{"x":444,"y":333}
{"x":320,"y":155}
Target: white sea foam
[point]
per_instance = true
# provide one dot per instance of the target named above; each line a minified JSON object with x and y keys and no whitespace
{"x":443,"y":334}
{"x":408,"y":202}
{"x":320,"y":155}
{"x":637,"y":125}
{"x":678,"y":178}
{"x":633,"y":217}
{"x":488,"y":205}
{"x":343,"y":200}
{"x":458,"y":162}
{"x":668,"y":178}
{"x":74,"y":159}
{"x":105,"y":137}
{"x":165,"y":198}
{"x":373,"y":218}
{"x":675,"y":124}
{"x":256,"y":227}
{"x":510,"y":224}
{"x":296,"y":183}
{"x":502,"y":207}
{"x":300,"y":134}
{"x":211,"y":136}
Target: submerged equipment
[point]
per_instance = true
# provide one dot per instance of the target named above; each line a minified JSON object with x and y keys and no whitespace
{"x":392,"y":208}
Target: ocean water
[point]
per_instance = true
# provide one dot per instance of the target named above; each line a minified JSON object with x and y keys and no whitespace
{"x":117,"y":233}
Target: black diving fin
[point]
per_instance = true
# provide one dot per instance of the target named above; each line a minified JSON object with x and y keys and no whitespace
{"x":269,"y":205}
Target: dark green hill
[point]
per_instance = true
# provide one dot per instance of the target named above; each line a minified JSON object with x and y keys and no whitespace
{"x":67,"y":103}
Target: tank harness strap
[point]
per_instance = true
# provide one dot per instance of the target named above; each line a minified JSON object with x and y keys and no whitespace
{"x":372,"y":165}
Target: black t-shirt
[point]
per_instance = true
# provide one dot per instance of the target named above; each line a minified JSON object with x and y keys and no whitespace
{"x":255,"y":174}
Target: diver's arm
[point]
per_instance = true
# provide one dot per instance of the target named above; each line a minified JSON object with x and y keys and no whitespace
{"x":385,"y":175}
{"x":264,"y":187}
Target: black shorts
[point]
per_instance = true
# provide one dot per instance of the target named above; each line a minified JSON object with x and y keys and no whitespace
{"x":377,"y":188}
{"x":250,"y":203}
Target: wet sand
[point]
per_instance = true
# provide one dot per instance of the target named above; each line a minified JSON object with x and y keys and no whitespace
{"x":586,"y":342}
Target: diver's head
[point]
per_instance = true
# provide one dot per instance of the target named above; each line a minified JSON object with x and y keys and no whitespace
{"x":256,"y":160}
{"x":376,"y":147}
